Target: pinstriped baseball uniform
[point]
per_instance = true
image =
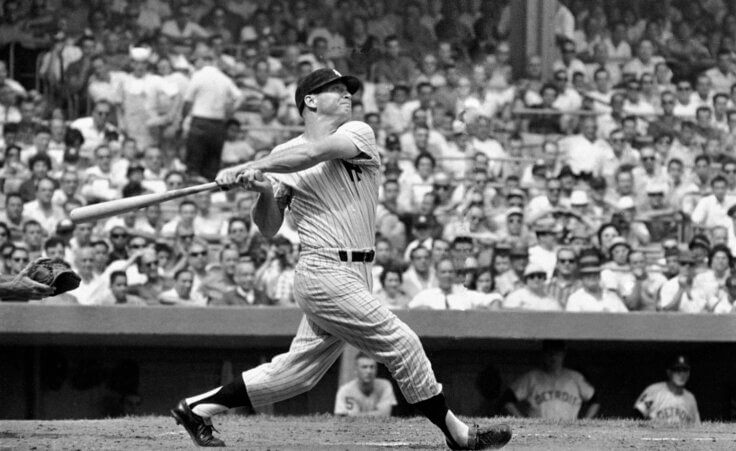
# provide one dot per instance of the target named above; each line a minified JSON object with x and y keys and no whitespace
{"x":334,"y":207}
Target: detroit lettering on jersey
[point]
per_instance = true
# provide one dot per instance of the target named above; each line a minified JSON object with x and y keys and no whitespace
{"x":672,"y":413}
{"x":556,"y":395}
{"x":333,"y":204}
{"x":658,"y":402}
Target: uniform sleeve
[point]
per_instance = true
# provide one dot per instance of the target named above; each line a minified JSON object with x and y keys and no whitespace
{"x":522,"y":387}
{"x":696,"y":412}
{"x":586,"y":390}
{"x":340,"y":407}
{"x":645,"y":401}
{"x":365,"y":141}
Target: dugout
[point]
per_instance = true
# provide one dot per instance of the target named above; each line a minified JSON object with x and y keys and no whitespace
{"x":80,"y":362}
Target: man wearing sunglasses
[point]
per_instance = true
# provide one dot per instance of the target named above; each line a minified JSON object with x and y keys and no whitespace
{"x":533,"y":295}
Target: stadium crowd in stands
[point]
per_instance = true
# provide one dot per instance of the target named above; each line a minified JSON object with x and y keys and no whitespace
{"x":608,"y":186}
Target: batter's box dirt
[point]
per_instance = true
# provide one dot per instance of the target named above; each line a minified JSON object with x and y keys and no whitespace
{"x":328,"y":433}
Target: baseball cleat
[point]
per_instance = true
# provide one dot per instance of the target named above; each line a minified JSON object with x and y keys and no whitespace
{"x":199,"y":431}
{"x":486,"y":437}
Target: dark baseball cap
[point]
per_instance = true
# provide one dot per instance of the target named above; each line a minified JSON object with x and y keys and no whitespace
{"x":680,"y":363}
{"x":319,"y":79}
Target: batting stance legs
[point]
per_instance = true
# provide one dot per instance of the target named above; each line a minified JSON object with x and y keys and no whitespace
{"x":337,"y":313}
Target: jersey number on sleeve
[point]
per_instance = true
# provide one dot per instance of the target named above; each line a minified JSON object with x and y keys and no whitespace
{"x":353,"y":169}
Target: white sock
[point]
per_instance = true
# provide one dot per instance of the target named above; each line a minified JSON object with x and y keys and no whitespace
{"x":457,"y":428}
{"x":205,"y":409}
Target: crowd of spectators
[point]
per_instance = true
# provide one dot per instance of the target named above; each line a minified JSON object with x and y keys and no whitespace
{"x":609,"y":185}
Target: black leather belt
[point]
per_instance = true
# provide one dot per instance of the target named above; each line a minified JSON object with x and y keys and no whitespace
{"x":357,"y":256}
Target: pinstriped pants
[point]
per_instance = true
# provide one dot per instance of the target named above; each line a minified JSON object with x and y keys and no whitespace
{"x":339,"y":308}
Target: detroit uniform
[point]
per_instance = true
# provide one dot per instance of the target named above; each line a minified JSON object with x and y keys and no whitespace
{"x":555,"y":397}
{"x":350,"y":398}
{"x":334,"y":205}
{"x":657,"y":402}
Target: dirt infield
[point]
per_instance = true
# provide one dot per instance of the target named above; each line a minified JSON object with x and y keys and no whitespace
{"x":329,"y":433}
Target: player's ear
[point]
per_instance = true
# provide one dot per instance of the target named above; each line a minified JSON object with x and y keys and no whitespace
{"x":310,"y":100}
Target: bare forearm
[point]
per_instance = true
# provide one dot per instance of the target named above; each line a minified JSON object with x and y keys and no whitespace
{"x":267,"y":215}
{"x":592,"y":411}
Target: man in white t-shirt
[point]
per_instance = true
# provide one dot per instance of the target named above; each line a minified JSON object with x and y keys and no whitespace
{"x":366,"y":395}
{"x":553,"y":391}
{"x":669,"y":401}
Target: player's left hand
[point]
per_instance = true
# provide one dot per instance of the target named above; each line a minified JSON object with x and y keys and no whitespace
{"x":253,"y":180}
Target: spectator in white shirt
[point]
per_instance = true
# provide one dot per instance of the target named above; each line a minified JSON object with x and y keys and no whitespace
{"x":95,"y":129}
{"x":584,"y":152}
{"x":685,"y":106}
{"x":42,"y":209}
{"x":712,"y":210}
{"x":533,"y":295}
{"x":591,"y":297}
{"x":722,"y":76}
{"x":448,"y":295}
{"x":210,"y":98}
{"x":676,"y":294}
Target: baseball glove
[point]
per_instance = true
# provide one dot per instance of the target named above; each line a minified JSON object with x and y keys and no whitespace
{"x":55,"y":273}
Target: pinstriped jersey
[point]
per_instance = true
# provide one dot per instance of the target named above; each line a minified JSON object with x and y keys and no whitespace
{"x":334,"y":202}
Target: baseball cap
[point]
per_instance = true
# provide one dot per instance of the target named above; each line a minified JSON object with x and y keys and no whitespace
{"x":589,"y":264}
{"x":680,"y":363}
{"x":699,"y":241}
{"x":533,"y":268}
{"x":423,"y":221}
{"x":619,"y":241}
{"x":321,"y":78}
{"x":656,"y":188}
{"x":514,"y":211}
{"x":515,"y":192}
{"x":625,"y":203}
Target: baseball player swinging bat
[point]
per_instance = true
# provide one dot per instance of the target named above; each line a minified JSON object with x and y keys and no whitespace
{"x":119,"y":206}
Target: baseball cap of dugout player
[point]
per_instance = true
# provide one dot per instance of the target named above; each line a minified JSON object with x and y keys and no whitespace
{"x":680,"y":363}
{"x":319,"y":79}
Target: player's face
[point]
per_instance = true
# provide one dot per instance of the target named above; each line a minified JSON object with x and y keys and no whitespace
{"x":335,"y":99}
{"x":366,"y":369}
{"x":679,"y":377}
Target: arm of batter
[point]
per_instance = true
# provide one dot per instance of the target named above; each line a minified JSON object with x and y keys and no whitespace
{"x":333,"y":147}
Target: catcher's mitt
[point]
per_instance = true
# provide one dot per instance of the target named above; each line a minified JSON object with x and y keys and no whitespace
{"x":55,"y":273}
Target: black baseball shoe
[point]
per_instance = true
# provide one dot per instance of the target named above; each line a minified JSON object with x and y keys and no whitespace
{"x":486,"y":437}
{"x":199,"y":431}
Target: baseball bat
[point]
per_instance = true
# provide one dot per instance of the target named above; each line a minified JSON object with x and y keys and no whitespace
{"x":119,"y":206}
